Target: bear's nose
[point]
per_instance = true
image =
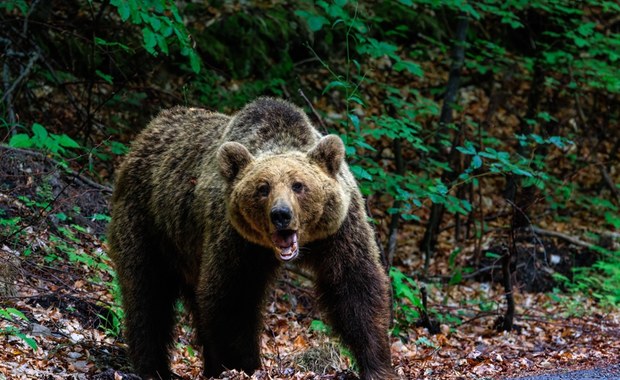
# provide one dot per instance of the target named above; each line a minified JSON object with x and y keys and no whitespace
{"x":281,"y":216}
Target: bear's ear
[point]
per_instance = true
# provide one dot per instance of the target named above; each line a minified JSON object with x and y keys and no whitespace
{"x":232,"y":157}
{"x":329,"y":153}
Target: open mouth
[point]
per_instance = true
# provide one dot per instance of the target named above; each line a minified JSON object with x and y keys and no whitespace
{"x":285,"y":244}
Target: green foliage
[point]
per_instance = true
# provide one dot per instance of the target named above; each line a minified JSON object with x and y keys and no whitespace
{"x":9,"y":226}
{"x":407,"y":301}
{"x":161,"y":23}
{"x":320,"y":326}
{"x":14,"y":316}
{"x":409,"y":117}
{"x":506,"y":163}
{"x":601,"y":281}
{"x":41,"y":139}
{"x":113,"y":320}
{"x":10,"y":6}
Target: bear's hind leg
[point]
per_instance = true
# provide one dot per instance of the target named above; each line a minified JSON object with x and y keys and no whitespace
{"x":149,"y":321}
{"x":149,"y":291}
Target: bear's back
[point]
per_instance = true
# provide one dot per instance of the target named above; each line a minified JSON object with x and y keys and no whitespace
{"x":272,"y":126}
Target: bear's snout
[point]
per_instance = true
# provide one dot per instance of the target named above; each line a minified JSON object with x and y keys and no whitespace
{"x":281,"y":216}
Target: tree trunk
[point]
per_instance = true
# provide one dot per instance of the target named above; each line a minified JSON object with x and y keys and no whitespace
{"x":429,"y":240}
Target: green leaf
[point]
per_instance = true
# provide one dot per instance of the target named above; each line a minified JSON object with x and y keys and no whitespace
{"x":20,"y":140}
{"x":456,"y":277}
{"x":155,"y":23}
{"x":580,"y":42}
{"x":409,"y":66}
{"x":356,"y":99}
{"x":426,"y":342}
{"x":356,"y":121}
{"x":493,"y":255}
{"x":335,"y":84}
{"x":29,"y":341}
{"x":17,"y":313}
{"x":468,"y":149}
{"x":452,"y":258}
{"x":194,"y":61}
{"x":39,"y":131}
{"x":316,"y":22}
{"x":150,"y":41}
{"x":118,"y":148}
{"x":476,"y":162}
{"x":519,"y":171}
{"x":360,"y":172}
{"x":105,"y":77}
{"x":123,"y":10}
{"x":162,"y":44}
{"x":319,"y":326}
{"x":613,"y":219}
{"x":67,"y":142}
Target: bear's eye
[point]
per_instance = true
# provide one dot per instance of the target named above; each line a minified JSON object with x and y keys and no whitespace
{"x":298,"y":187}
{"x":263,"y":190}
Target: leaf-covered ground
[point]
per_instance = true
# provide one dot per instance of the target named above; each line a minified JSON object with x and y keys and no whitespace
{"x":57,"y":274}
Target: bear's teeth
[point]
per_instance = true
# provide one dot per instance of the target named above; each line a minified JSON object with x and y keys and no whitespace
{"x":289,"y":253}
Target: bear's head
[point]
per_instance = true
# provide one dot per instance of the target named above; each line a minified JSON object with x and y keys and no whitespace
{"x":283,"y":201}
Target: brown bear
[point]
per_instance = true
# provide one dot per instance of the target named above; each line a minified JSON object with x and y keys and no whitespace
{"x":207,"y":207}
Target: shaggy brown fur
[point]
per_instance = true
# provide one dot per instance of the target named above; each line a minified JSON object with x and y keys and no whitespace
{"x":207,"y":206}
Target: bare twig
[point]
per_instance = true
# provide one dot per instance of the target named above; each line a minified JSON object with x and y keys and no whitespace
{"x":395,"y":219}
{"x":432,"y":326}
{"x":610,"y":182}
{"x":22,"y":75}
{"x":508,"y":319}
{"x":31,"y":9}
{"x":8,"y":101}
{"x":316,"y":114}
{"x":562,"y":236}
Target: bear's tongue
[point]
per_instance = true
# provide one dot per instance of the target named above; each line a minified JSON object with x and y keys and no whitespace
{"x":286,"y":242}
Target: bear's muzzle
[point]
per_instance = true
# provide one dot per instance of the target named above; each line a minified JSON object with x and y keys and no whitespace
{"x":285,"y":242}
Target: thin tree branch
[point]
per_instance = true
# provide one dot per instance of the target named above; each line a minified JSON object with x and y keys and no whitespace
{"x":22,"y":75}
{"x":316,"y":114}
{"x":562,"y":236}
{"x":610,"y":182}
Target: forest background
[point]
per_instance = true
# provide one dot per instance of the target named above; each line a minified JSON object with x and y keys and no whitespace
{"x":484,"y":135}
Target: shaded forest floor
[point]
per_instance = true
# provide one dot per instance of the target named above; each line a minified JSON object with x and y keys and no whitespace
{"x":59,"y":277}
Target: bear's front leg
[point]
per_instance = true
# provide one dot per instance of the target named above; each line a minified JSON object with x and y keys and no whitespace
{"x":353,"y":290}
{"x":356,"y":302}
{"x":229,"y":302}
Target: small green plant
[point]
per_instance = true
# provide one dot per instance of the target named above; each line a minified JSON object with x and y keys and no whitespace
{"x":601,"y":281}
{"x":14,"y":316}
{"x":407,"y":302}
{"x":9,"y":226}
{"x":66,"y":246}
{"x":319,"y":326}
{"x":424,"y":341}
{"x":114,"y":318}
{"x":112,"y":321}
{"x":42,"y":140}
